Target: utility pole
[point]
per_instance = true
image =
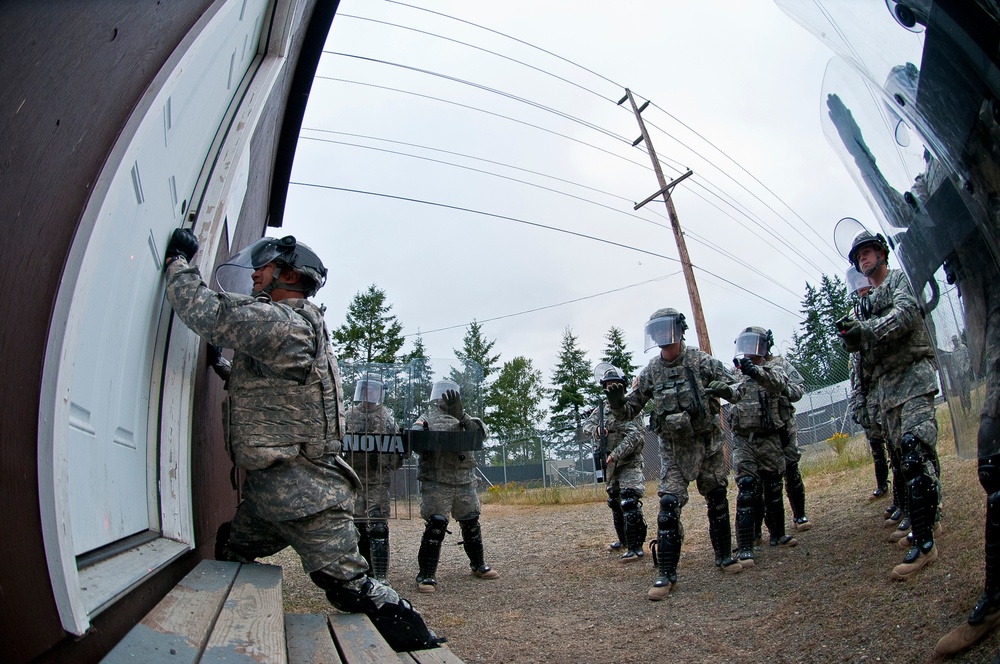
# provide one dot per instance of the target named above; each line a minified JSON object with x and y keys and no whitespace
{"x":675,"y":224}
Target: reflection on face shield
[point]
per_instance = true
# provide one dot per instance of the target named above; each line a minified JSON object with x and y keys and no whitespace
{"x":663,"y":331}
{"x":368,"y":390}
{"x":751,"y":343}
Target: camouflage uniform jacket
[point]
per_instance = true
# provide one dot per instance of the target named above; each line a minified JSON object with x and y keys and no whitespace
{"x":755,"y":401}
{"x":371,"y":467}
{"x":447,"y":467}
{"x":684,"y":417}
{"x":625,"y":439}
{"x":282,"y":419}
{"x":793,"y":391}
{"x":901,"y":353}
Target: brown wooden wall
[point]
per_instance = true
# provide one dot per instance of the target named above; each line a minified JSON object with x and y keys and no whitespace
{"x":71,"y":73}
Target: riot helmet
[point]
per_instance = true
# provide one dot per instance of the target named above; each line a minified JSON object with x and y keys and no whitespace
{"x":369,"y":389}
{"x":442,"y":386}
{"x":863,"y":239}
{"x":754,"y":341}
{"x":605,"y":373}
{"x":664,"y":327}
{"x":855,"y":280}
{"x":235,"y":275}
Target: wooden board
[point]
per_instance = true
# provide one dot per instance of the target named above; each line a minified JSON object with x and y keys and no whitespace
{"x":177,"y":628}
{"x":250,"y":627}
{"x":359,"y":641}
{"x":435,"y":656}
{"x":309,"y":640}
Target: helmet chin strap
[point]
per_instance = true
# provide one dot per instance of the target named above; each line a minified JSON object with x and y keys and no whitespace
{"x":275,"y":276}
{"x":870,"y":271}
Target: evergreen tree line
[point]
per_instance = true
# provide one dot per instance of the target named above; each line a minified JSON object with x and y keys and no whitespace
{"x":523,"y":413}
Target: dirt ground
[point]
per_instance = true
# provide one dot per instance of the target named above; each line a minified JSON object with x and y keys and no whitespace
{"x":562,"y":598}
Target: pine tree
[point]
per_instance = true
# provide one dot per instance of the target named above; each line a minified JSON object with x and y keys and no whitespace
{"x":573,"y":393}
{"x":615,"y":353}
{"x":477,"y":365}
{"x":370,"y":333}
{"x":514,"y":412}
{"x":817,"y":353}
{"x":420,"y":378}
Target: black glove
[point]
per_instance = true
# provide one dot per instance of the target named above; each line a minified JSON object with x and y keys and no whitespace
{"x":851,"y":334}
{"x":452,"y":404}
{"x":182,"y":243}
{"x":748,"y":367}
{"x":616,"y":394}
{"x":717,"y":388}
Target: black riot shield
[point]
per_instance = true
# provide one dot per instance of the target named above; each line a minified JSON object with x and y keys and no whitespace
{"x":911,"y":109}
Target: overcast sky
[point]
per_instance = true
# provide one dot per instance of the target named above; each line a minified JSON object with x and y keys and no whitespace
{"x":741,"y":74}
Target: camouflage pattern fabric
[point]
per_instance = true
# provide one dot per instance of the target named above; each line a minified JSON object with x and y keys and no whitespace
{"x":915,"y":416}
{"x":684,"y":417}
{"x":902,"y":355}
{"x":374,"y":469}
{"x":303,"y":499}
{"x":758,"y":452}
{"x":991,"y":360}
{"x":625,"y":443}
{"x":793,"y":392}
{"x":447,"y":479}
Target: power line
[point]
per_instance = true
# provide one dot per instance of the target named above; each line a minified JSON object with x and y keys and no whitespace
{"x":823,"y":252}
{"x":543,"y":226}
{"x":790,"y":258}
{"x":694,"y":236}
{"x":547,"y":306}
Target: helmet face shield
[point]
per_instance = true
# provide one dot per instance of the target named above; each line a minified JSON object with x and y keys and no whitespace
{"x":368,"y":390}
{"x":663,"y":331}
{"x":605,"y":373}
{"x":235,"y":275}
{"x":856,"y":281}
{"x":442,"y":386}
{"x":752,"y":343}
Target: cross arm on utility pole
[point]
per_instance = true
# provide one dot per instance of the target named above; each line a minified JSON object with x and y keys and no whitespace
{"x":675,"y":224}
{"x":665,"y":190}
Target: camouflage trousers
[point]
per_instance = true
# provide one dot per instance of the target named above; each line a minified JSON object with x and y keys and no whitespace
{"x":628,"y":477}
{"x":324,"y":541}
{"x":459,"y":500}
{"x":991,"y":358}
{"x":756,"y":453}
{"x":712,"y":474}
{"x":790,"y":443}
{"x":914,"y":416}
{"x":373,"y":501}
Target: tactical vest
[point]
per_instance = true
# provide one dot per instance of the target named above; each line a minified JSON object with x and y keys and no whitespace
{"x":446,"y":467}
{"x":756,"y":411}
{"x":679,"y":390}
{"x":268,"y":417}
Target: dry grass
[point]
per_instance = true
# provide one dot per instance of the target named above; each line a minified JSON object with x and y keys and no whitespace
{"x":563,"y":598}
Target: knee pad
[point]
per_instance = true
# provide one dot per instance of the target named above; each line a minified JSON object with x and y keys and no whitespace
{"x":436,"y":527}
{"x":912,"y":459}
{"x":378,"y":530}
{"x":747,"y":486}
{"x":716,"y":499}
{"x":668,"y":518}
{"x":614,"y":501}
{"x":631,"y":500}
{"x":989,"y":474}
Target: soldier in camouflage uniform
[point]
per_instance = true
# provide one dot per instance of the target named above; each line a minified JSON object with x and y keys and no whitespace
{"x":371,"y":510}
{"x":758,"y":455}
{"x":448,"y":486}
{"x":283,"y":424}
{"x":792,"y":393}
{"x":864,"y":407}
{"x":904,"y":373}
{"x":625,"y":482}
{"x":684,"y":384}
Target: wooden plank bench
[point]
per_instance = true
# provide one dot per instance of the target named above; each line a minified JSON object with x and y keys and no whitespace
{"x":227,"y":612}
